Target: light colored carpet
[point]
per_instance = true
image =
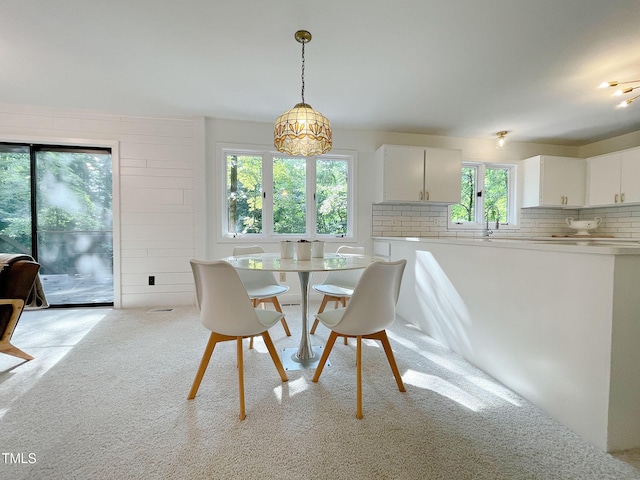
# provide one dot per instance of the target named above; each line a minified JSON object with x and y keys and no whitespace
{"x":115,"y":407}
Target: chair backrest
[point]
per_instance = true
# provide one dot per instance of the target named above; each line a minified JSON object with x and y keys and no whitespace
{"x":224,"y":304}
{"x":350,"y":250}
{"x":247,"y":249}
{"x":372,"y":307}
{"x":345,"y":278}
{"x":253,"y":278}
{"x":16,"y":282}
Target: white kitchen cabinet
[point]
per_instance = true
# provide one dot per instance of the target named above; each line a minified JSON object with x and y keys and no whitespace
{"x":420,"y":174}
{"x":614,"y":178}
{"x":554,"y":181}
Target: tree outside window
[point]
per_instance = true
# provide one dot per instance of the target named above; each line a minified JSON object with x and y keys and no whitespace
{"x":308,"y":197}
{"x":486,"y":192}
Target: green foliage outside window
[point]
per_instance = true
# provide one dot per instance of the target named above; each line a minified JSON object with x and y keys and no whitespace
{"x":496,"y":194}
{"x":74,"y":192}
{"x":15,"y":201}
{"x":331,"y":197}
{"x":494,"y":199}
{"x":289,"y":196}
{"x":244,"y":193}
{"x":465,"y":211}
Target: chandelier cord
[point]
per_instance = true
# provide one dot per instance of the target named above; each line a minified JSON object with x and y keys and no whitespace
{"x":303,"y":42}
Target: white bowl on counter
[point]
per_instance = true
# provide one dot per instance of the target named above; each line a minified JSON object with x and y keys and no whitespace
{"x":583,"y":227}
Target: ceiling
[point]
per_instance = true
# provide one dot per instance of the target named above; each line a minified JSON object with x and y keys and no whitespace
{"x":461,"y":68}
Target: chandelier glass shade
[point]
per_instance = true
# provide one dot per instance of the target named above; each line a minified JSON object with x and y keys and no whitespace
{"x":302,"y":130}
{"x":501,"y":140}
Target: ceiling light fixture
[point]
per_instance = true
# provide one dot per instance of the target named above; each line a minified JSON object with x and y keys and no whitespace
{"x":302,"y":130}
{"x":501,"y":140}
{"x":623,"y":91}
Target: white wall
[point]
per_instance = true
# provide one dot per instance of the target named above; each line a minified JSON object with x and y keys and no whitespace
{"x":158,"y":193}
{"x":167,"y":199}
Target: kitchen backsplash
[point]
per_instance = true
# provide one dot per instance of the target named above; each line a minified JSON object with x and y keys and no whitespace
{"x":411,"y":220}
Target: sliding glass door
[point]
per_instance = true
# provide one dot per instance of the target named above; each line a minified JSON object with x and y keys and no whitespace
{"x":55,"y":205}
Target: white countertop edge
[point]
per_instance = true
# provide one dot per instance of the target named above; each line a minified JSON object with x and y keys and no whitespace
{"x":601,"y":246}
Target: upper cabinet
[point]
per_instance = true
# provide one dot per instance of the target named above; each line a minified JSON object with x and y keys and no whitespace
{"x":614,"y":178}
{"x":554,"y":181}
{"x":420,"y":174}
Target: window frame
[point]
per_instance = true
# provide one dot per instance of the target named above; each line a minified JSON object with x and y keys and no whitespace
{"x":512,"y":221}
{"x":268,"y":154}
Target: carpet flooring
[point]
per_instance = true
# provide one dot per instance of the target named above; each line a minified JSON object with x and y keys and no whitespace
{"x":115,"y":407}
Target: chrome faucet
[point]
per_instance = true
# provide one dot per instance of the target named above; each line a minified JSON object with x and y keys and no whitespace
{"x":487,"y":231}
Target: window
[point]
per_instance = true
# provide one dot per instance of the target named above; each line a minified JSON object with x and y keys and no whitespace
{"x":487,"y":195}
{"x":56,"y":205}
{"x":270,"y":195}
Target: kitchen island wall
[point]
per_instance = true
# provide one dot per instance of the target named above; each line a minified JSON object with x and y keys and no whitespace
{"x":558,"y":324}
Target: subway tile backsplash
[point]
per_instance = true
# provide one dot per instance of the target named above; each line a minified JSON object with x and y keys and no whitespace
{"x":417,"y":220}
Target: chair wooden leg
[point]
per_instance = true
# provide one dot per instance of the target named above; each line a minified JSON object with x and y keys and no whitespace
{"x":10,"y":349}
{"x":382,"y":336}
{"x":213,"y":339}
{"x":315,"y":325}
{"x":240,"y":378}
{"x":274,"y":355}
{"x":255,"y":302}
{"x":343,"y":300}
{"x":359,"y":377}
{"x":276,"y":305}
{"x":5,"y":340}
{"x":323,"y":304}
{"x":325,"y":355}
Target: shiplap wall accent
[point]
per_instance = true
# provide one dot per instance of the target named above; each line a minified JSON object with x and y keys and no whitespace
{"x":159,"y":205}
{"x":414,"y":220}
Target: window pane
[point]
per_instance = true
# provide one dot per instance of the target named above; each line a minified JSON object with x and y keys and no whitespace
{"x":331,"y":197}
{"x":74,"y":219}
{"x":15,"y":199}
{"x":244,"y":194}
{"x":465,"y":211}
{"x":289,"y":196}
{"x":496,"y":196}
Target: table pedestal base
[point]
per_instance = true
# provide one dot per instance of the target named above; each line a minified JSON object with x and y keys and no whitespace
{"x":290,"y":360}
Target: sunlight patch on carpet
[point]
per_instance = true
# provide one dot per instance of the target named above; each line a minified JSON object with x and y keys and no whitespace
{"x":444,"y":388}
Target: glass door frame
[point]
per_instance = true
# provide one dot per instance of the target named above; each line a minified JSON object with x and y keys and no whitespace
{"x":88,"y":146}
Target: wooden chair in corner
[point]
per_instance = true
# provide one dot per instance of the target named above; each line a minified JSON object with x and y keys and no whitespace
{"x":16,"y":282}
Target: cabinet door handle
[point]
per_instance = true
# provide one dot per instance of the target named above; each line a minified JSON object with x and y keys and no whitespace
{"x":420,"y":195}
{"x":616,"y":198}
{"x":622,"y":198}
{"x":426,"y":195}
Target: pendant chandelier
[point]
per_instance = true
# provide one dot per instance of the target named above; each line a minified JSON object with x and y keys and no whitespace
{"x":302,"y":130}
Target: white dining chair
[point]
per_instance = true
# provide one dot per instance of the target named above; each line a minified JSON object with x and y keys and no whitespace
{"x":338,"y":286}
{"x":370,"y":311}
{"x":262,"y":287}
{"x":226,"y":311}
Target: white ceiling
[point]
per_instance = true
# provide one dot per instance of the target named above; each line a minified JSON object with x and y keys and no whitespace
{"x":464,"y":68}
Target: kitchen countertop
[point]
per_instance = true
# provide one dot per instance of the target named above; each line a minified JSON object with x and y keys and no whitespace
{"x":590,"y":245}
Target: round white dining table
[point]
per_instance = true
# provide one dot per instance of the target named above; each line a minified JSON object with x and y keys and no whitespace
{"x":304,"y":356}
